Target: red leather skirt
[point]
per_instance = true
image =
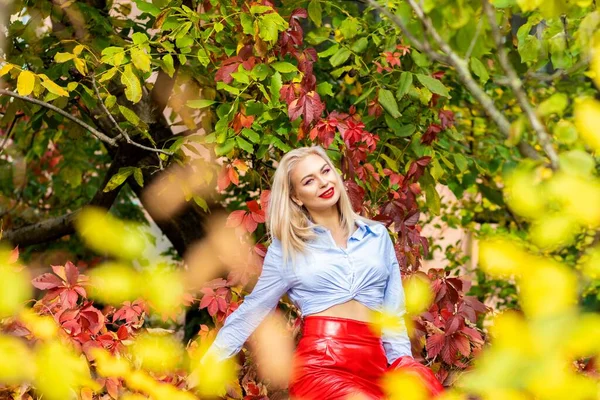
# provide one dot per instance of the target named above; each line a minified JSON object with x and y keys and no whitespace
{"x":338,"y":358}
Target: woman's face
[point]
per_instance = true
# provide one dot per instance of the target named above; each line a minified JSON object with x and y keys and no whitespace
{"x":314,"y":184}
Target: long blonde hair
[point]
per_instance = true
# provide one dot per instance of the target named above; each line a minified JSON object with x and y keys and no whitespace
{"x":289,"y":222}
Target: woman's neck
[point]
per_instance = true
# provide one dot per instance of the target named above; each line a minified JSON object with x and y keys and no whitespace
{"x":329,"y":218}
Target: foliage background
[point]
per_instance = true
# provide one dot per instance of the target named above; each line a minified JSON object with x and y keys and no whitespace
{"x":163,"y":102}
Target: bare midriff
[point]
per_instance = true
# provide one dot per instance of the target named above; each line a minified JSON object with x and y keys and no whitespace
{"x":351,"y":309}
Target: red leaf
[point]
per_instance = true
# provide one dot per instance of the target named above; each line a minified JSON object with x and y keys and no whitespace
{"x":223,"y":181}
{"x":250,"y":224}
{"x":431,"y":134}
{"x":308,"y":105}
{"x":227,"y":67}
{"x":72,"y":273}
{"x":434,"y":344}
{"x":47,"y":281}
{"x":14,"y":255}
{"x":446,"y":118}
{"x":356,"y":194}
{"x":235,"y":219}
{"x":463,"y":345}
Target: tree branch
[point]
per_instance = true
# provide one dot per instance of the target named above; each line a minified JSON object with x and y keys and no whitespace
{"x":57,"y":227}
{"x":517,"y":87}
{"x":121,"y":131}
{"x":91,"y":129}
{"x":462,"y":70}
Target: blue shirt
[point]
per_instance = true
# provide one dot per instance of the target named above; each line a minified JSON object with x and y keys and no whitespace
{"x":323,"y":276}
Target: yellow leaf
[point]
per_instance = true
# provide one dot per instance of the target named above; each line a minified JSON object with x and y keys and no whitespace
{"x":6,"y":69}
{"x":133,"y":88}
{"x":80,"y":65}
{"x":140,"y":59}
{"x":587,"y":121}
{"x":108,"y":74}
{"x":54,"y":88}
{"x":78,"y":49}
{"x":25,"y":83}
{"x":63,"y":57}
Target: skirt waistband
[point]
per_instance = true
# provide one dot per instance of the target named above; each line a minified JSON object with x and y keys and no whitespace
{"x":338,"y":327}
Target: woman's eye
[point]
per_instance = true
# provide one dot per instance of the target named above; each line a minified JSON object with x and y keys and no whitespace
{"x":307,"y":182}
{"x":326,"y":171}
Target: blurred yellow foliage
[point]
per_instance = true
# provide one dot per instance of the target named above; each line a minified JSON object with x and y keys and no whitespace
{"x":114,"y":283}
{"x":14,"y":287}
{"x":17,"y":361}
{"x":107,"y":234}
{"x":157,"y":353}
{"x":418,"y":294}
{"x":401,"y":385}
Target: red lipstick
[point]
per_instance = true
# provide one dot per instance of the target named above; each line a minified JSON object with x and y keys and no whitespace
{"x":327,"y":194}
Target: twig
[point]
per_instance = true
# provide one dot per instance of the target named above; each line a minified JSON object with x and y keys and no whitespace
{"x":121,"y":131}
{"x":462,"y":70}
{"x":517,"y":87}
{"x":558,"y":73}
{"x":91,"y":129}
{"x":108,"y":113}
{"x":475,"y":37}
{"x":9,"y":132}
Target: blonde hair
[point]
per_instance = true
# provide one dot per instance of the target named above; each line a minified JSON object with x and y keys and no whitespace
{"x":289,"y":222}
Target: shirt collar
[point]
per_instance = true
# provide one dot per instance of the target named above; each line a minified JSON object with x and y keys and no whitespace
{"x":362,"y":227}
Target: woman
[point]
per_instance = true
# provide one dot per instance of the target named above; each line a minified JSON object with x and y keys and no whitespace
{"x":337,"y":267}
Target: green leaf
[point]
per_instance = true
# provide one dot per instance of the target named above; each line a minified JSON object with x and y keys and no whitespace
{"x":315,"y":12}
{"x":387,"y":100}
{"x":432,"y":199}
{"x":129,"y":115}
{"x":399,"y":129}
{"x":503,"y":3}
{"x":147,"y":7}
{"x":226,"y":147}
{"x":110,"y":101}
{"x":577,"y":162}
{"x":350,"y":27}
{"x":340,"y":57}
{"x":138,"y":176}
{"x":433,"y":85}
{"x":329,"y":51}
{"x":184,"y":41}
{"x":324,"y":89}
{"x":117,"y":179}
{"x":133,"y":88}
{"x":406,"y":79}
{"x":228,"y":88}
{"x":139,"y":38}
{"x":318,"y":36}
{"x":241,"y":76}
{"x":203,"y":57}
{"x":260,"y":72}
{"x":247,"y":24}
{"x":393,"y":165}
{"x":200,"y":202}
{"x":25,"y":83}
{"x":364,"y":95}
{"x":63,"y":57}
{"x":284,"y":67}
{"x":275,"y":141}
{"x":360,"y":45}
{"x":270,"y":25}
{"x":461,"y":162}
{"x":201,"y":103}
{"x":72,"y":86}
{"x":140,"y":59}
{"x":275,"y":87}
{"x":218,"y":27}
{"x":250,"y":134}
{"x":113,"y":56}
{"x":479,"y":69}
{"x":244,"y":144}
{"x":258,"y":9}
{"x":168,"y":65}
{"x":555,"y":104}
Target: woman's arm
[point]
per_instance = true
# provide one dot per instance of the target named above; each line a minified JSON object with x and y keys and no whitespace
{"x":242,"y":322}
{"x":395,"y":341}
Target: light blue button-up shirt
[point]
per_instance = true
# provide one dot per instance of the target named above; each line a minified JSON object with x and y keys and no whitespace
{"x":325,"y":275}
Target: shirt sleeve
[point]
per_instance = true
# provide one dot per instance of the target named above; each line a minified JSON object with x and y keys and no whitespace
{"x":395,"y":341}
{"x":270,"y":287}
